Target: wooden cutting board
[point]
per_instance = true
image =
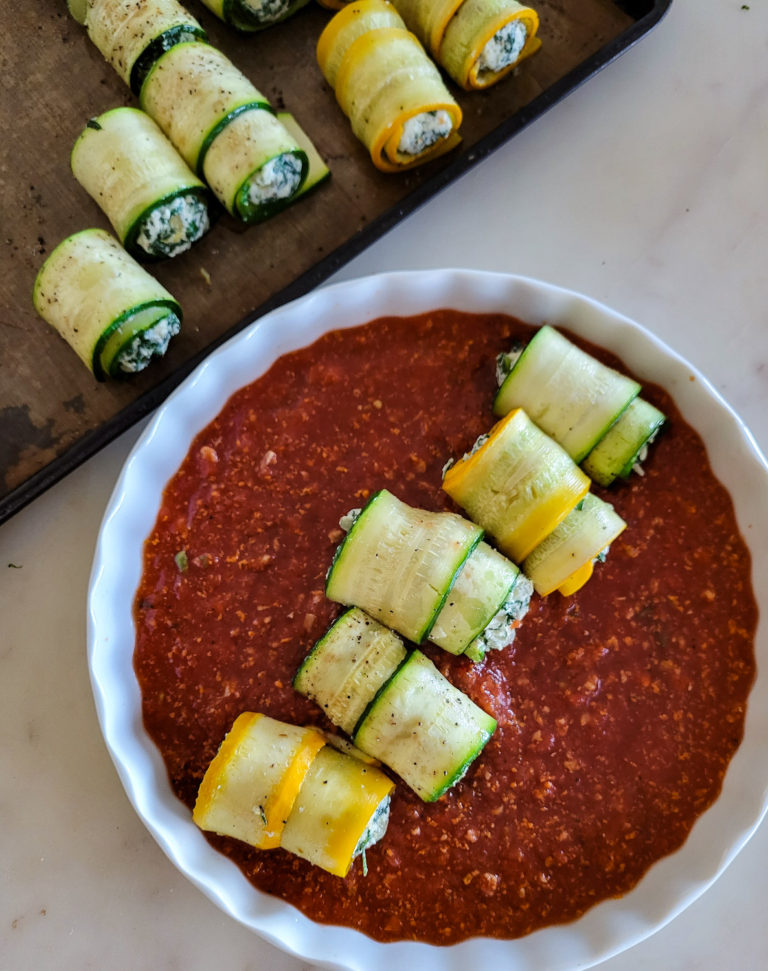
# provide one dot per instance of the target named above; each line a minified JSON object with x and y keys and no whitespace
{"x":53,"y":413}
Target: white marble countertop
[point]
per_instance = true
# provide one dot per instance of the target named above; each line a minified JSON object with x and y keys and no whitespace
{"x":646,"y":189}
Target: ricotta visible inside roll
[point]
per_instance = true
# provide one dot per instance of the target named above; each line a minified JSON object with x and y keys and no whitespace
{"x":279,"y":178}
{"x":172,"y":228}
{"x":503,"y":48}
{"x":149,"y":343}
{"x":423,"y":131}
{"x":267,"y":11}
{"x":502,"y":627}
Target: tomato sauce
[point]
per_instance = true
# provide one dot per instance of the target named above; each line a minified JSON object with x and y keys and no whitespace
{"x":619,"y":708}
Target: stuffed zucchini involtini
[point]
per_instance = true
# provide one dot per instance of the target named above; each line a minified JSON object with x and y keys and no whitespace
{"x":592,"y":410}
{"x":272,"y":785}
{"x":226,"y":130}
{"x":517,"y":483}
{"x":428,"y":575}
{"x":397,"y":706}
{"x":253,"y":15}
{"x":156,"y":205}
{"x":132,"y":34}
{"x":114,"y":314}
{"x":477,"y":42}
{"x":389,"y":89}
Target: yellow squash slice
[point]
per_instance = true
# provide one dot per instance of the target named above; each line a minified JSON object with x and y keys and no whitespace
{"x":518,"y":484}
{"x":342,"y":808}
{"x":251,"y":786}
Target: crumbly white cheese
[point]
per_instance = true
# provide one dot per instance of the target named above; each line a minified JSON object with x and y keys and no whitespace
{"x":149,"y":343}
{"x":172,"y":228}
{"x":505,"y":362}
{"x":267,"y":11}
{"x":376,"y":827}
{"x":503,"y":48}
{"x":500,"y":632}
{"x":423,"y":130}
{"x":349,"y":519}
{"x":278,"y":178}
{"x":642,"y":455}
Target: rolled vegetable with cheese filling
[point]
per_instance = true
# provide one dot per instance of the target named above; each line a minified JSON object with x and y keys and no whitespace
{"x":624,"y":447}
{"x":253,"y":15}
{"x":517,"y":483}
{"x":384,"y":82}
{"x":156,"y":205}
{"x":399,"y":563}
{"x":398,"y":707}
{"x":225,"y":129}
{"x":132,"y":34}
{"x":108,"y":308}
{"x":273,"y":785}
{"x":570,"y":395}
{"x":565,"y":560}
{"x":478,"y":42}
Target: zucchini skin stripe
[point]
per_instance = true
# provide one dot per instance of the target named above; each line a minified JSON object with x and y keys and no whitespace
{"x":181,"y":34}
{"x":220,"y":125}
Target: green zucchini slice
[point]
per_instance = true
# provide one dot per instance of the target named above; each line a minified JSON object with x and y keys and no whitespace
{"x":133,"y":34}
{"x":568,"y":393}
{"x":480,"y":601}
{"x":624,"y":446}
{"x":112,"y":313}
{"x":341,"y":810}
{"x":194,"y":92}
{"x":317,"y":171}
{"x":348,"y":665}
{"x":253,"y":15}
{"x":254,"y":166}
{"x":399,"y":563}
{"x":565,"y":559}
{"x":156,"y":205}
{"x":424,"y":728}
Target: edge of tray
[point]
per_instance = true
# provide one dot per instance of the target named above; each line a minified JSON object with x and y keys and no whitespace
{"x":92,"y":442}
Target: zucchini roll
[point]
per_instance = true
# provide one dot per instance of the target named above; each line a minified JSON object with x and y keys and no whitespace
{"x":485,"y":606}
{"x":424,"y":728}
{"x":624,"y":447}
{"x":568,"y":393}
{"x":132,"y":34}
{"x":108,"y":308}
{"x":565,"y":560}
{"x":517,"y":483}
{"x":477,"y":42}
{"x":276,"y":785}
{"x":252,"y":15}
{"x":226,"y":130}
{"x":157,"y":206}
{"x":348,"y":665}
{"x":399,"y":563}
{"x":398,"y":708}
{"x":384,"y":82}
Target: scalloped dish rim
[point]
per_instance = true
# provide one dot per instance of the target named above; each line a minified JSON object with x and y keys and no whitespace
{"x":610,"y":927}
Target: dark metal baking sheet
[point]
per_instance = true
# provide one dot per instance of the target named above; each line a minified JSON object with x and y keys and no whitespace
{"x":53,"y":415}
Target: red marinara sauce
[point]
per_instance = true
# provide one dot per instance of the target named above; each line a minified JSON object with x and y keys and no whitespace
{"x":619,"y":708}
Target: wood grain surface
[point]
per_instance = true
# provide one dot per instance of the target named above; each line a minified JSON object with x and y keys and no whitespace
{"x":53,"y":413}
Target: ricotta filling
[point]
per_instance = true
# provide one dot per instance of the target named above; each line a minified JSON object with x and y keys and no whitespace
{"x":423,"y":131}
{"x":642,"y":455}
{"x":376,"y":828}
{"x":172,"y":228}
{"x":506,"y":361}
{"x":502,"y":627}
{"x":279,"y":178}
{"x":503,"y":49}
{"x":149,"y":343}
{"x":267,"y":11}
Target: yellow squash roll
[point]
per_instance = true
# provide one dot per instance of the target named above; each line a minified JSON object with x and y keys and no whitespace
{"x":272,"y":785}
{"x":477,"y":42}
{"x":391,"y":92}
